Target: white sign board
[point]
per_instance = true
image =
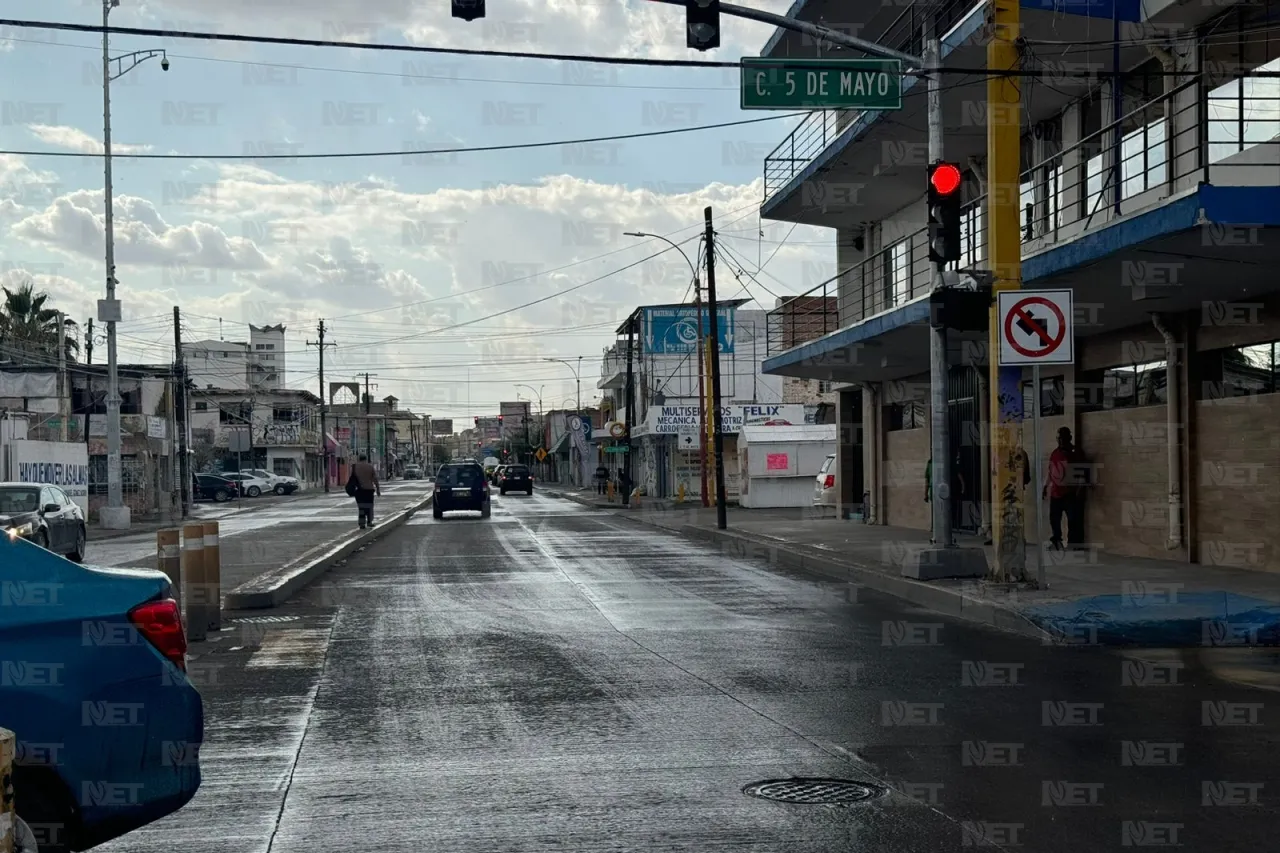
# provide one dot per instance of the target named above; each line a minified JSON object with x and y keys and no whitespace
{"x":1035,"y":327}
{"x":678,"y":420}
{"x":53,"y":463}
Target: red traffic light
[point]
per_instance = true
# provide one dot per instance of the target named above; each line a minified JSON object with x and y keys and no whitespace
{"x":946,"y":178}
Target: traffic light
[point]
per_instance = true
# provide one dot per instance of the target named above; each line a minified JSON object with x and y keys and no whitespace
{"x":468,"y":10}
{"x":499,"y":420}
{"x":945,"y":180}
{"x":702,"y":24}
{"x":477,"y":420}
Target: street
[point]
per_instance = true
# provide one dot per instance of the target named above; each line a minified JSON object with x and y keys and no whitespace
{"x":558,"y":677}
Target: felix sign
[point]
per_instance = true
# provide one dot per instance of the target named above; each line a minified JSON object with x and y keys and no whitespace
{"x":673,"y":420}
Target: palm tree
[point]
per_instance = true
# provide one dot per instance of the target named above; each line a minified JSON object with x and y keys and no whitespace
{"x":29,"y":330}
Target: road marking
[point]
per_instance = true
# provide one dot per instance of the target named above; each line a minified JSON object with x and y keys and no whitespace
{"x":291,"y":647}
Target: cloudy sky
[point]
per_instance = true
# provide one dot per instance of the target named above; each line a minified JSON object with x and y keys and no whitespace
{"x":419,"y":264}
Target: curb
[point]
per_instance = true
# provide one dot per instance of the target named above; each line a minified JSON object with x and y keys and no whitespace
{"x":949,"y":602}
{"x":273,"y":588}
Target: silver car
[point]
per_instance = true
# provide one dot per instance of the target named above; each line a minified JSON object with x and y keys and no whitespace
{"x":824,"y":492}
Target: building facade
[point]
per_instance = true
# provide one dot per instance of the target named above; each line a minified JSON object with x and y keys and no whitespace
{"x":1151,"y":191}
{"x":274,"y":430}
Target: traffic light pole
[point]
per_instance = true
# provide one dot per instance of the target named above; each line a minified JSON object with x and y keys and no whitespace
{"x":940,"y":437}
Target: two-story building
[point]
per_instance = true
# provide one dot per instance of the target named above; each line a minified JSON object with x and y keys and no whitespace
{"x":275,"y":430}
{"x":258,"y":363}
{"x":666,"y":405}
{"x":1150,"y":188}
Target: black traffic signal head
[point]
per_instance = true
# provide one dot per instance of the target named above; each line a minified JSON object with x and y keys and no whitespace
{"x":499,"y":418}
{"x":945,"y":182}
{"x":467,"y":10}
{"x":702,"y":24}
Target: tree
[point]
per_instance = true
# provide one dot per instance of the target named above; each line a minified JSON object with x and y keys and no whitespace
{"x":29,"y":330}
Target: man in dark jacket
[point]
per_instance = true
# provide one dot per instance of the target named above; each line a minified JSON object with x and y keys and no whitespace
{"x":367,"y":485}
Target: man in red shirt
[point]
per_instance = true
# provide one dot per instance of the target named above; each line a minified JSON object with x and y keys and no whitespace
{"x":1064,"y":493}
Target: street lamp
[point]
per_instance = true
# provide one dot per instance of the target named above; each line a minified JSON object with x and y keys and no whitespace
{"x":115,"y":515}
{"x":702,"y":391}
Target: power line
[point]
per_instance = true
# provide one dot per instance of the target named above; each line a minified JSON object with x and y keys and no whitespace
{"x":335,"y":155}
{"x":403,"y":75}
{"x":150,"y":32}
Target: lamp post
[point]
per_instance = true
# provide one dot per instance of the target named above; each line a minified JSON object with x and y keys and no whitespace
{"x":577,"y":375}
{"x":115,"y":515}
{"x":702,"y":393}
{"x":537,"y":394}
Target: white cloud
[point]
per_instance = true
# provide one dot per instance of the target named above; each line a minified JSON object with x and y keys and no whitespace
{"x":75,"y":139}
{"x":632,"y":28}
{"x":419,"y":286}
{"x":73,"y":224}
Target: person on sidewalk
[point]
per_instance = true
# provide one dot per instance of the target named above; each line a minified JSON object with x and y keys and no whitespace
{"x":1064,"y":492}
{"x":602,"y":480}
{"x":365,"y":478}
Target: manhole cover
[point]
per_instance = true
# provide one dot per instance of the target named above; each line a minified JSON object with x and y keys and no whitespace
{"x":259,"y":619}
{"x":812,"y":792}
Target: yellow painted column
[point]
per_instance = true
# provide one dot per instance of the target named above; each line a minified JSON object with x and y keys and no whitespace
{"x":1004,"y":249}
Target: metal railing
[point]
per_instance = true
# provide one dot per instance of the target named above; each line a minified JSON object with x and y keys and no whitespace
{"x":811,"y":137}
{"x":1126,"y":166}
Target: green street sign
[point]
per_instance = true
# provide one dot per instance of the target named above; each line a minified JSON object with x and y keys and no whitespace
{"x":615,"y":449}
{"x":821,"y":84}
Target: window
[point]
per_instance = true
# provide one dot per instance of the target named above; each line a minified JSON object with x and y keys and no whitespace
{"x":824,"y":386}
{"x":235,"y":413}
{"x":1126,"y":387}
{"x":284,"y":414}
{"x":1052,"y":397}
{"x":1241,"y":371}
{"x":282,"y":467}
{"x":202,"y":406}
{"x":971,"y":236}
{"x":906,"y":415}
{"x":897,"y":283}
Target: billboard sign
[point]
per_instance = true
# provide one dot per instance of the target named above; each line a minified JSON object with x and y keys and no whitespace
{"x":442,"y":426}
{"x":674,"y":331}
{"x":52,"y":463}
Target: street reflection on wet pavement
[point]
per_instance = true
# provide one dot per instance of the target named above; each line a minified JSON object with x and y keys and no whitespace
{"x":560,"y":678}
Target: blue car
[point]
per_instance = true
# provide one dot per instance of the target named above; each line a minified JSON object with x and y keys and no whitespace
{"x":93,"y":682}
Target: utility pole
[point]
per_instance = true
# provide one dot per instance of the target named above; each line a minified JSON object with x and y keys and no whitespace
{"x":631,"y":394}
{"x":180,"y":410}
{"x":1004,"y":245}
{"x":368,"y":419}
{"x":88,"y":351}
{"x":64,"y":387}
{"x":115,"y":515}
{"x":717,"y":436}
{"x":702,"y":392}
{"x":324,"y":403}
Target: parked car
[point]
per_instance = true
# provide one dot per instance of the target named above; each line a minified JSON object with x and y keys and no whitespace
{"x":824,"y":493}
{"x":412,"y":472}
{"x":44,"y":515}
{"x":94,"y":685}
{"x":516,"y":478}
{"x":279,"y":483}
{"x":250,"y":486}
{"x":214,"y":487}
{"x":460,"y":486}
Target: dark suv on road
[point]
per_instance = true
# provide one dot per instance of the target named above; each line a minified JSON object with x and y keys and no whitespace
{"x":516,"y":478}
{"x":460,"y":486}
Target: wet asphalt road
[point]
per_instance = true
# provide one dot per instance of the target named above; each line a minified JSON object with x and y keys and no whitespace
{"x":558,"y":678}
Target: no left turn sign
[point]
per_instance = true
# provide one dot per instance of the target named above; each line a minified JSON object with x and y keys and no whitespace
{"x":1035,"y":327}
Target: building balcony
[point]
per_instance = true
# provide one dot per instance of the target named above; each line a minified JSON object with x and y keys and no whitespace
{"x":1167,"y":207}
{"x":267,"y":434}
{"x":847,"y":167}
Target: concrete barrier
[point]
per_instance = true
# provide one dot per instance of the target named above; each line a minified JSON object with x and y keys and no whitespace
{"x":273,"y":588}
{"x":169,"y":559}
{"x":194,"y":589}
{"x":213,"y":574}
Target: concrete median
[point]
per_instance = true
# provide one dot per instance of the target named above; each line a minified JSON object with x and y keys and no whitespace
{"x":275,"y":587}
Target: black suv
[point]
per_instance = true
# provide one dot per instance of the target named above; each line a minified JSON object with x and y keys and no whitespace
{"x":516,"y":478}
{"x":460,"y":486}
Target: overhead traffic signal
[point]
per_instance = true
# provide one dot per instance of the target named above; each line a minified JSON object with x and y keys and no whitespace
{"x":499,"y":420}
{"x":945,"y":181}
{"x":702,"y":24}
{"x":468,"y":10}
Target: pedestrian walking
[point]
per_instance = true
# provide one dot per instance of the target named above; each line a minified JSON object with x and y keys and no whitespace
{"x":363,"y":485}
{"x":602,"y":480}
{"x":1065,"y":492}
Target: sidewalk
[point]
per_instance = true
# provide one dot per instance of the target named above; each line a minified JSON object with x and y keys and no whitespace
{"x":1092,"y":598}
